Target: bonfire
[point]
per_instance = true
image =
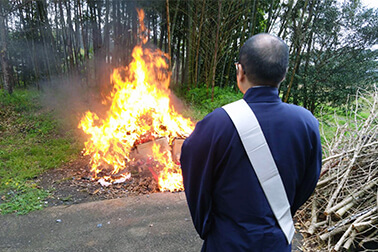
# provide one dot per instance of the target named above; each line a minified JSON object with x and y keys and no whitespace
{"x":140,"y":111}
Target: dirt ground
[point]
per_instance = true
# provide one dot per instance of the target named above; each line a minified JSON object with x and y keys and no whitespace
{"x":72,"y":184}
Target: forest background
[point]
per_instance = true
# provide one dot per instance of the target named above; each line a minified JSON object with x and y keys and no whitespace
{"x":330,"y":44}
{"x":65,"y":51}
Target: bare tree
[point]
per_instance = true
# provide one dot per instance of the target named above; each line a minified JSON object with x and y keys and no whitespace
{"x":8,"y":85}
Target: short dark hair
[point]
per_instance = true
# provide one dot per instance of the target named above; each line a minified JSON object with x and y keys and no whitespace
{"x":264,"y":59}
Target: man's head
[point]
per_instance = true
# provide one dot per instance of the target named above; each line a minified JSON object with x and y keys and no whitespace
{"x":263,"y":61}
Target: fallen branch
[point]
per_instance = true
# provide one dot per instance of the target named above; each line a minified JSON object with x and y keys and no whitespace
{"x":350,"y":240}
{"x":345,"y":235}
{"x":362,"y":226}
{"x":335,"y":231}
{"x":326,"y":181}
{"x":342,"y":211}
{"x":348,"y":151}
{"x":359,"y":192}
{"x":353,"y":217}
{"x":312,"y":227}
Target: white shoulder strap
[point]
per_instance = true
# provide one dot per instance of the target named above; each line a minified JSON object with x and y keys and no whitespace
{"x":259,"y":155}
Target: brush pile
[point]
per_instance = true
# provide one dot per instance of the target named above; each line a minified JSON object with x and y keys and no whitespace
{"x":342,"y":213}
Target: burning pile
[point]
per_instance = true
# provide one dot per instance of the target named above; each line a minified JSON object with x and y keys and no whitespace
{"x":140,"y":111}
{"x":342,"y":213}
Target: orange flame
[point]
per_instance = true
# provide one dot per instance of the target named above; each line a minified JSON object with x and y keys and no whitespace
{"x":139,"y":109}
{"x":170,"y":179}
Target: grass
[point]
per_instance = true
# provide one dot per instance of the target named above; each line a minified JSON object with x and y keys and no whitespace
{"x":200,"y":102}
{"x":329,"y":117}
{"x":31,"y":142}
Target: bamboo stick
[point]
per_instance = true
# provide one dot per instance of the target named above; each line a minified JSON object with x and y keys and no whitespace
{"x":365,"y":127}
{"x":348,"y":151}
{"x":312,"y":227}
{"x":335,"y":231}
{"x":346,"y":233}
{"x":362,"y":226}
{"x":339,"y":213}
{"x":350,"y":240}
{"x":358,"y":193}
{"x":348,"y":185}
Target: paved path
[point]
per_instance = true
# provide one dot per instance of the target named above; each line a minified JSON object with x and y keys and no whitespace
{"x":151,"y":223}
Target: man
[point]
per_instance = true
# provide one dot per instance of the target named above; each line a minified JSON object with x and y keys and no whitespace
{"x":228,"y":206}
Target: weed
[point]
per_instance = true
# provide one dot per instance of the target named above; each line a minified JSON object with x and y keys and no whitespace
{"x":31,"y":142}
{"x":22,"y":198}
{"x":201,"y":103}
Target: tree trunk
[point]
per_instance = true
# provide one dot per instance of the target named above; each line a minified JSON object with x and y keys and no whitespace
{"x":174,"y":22}
{"x":30,"y":59}
{"x":115,"y":14}
{"x":83,"y":32}
{"x":228,"y":77}
{"x":154,"y":24}
{"x":198,"y":43}
{"x":216,"y":49}
{"x":184,"y":62}
{"x":127,"y":38}
{"x":305,"y":95}
{"x":77,"y":46}
{"x":43,"y":24}
{"x":106,"y":33}
{"x":64,"y":35}
{"x":296,"y":64}
{"x":251,"y":22}
{"x":168,"y":33}
{"x":222,"y":72}
{"x":8,"y":85}
{"x":162,"y":31}
{"x":269,"y":21}
{"x":134,"y":24}
{"x":175,"y":17}
{"x":190,"y":52}
{"x":70,"y":38}
{"x":255,"y":8}
{"x":298,"y":31}
{"x":286,"y":16}
{"x":178,"y":59}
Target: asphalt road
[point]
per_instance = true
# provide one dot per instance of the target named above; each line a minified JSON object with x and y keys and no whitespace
{"x":152,"y":223}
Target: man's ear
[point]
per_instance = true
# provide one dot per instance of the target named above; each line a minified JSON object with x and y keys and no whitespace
{"x":241,"y":75}
{"x":242,"y":80}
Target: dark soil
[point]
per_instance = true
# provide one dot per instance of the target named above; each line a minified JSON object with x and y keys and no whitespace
{"x":72,"y":183}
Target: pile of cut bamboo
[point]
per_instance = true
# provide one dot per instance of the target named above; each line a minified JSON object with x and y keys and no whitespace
{"x":342,"y":213}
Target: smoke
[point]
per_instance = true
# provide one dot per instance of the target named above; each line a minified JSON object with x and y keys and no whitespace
{"x":72,"y":95}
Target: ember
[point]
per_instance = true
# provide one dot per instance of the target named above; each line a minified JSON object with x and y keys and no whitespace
{"x":140,"y":112}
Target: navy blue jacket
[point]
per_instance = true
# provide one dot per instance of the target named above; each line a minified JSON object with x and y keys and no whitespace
{"x":227,"y":204}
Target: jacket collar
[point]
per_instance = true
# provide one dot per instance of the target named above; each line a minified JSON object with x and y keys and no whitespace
{"x":262,"y":94}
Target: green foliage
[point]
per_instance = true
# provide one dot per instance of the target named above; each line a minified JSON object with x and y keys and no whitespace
{"x":337,"y":59}
{"x":22,"y":101}
{"x":30,"y":143}
{"x":329,"y":117}
{"x":200,"y":99}
{"x":348,"y":115}
{"x":22,"y":198}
